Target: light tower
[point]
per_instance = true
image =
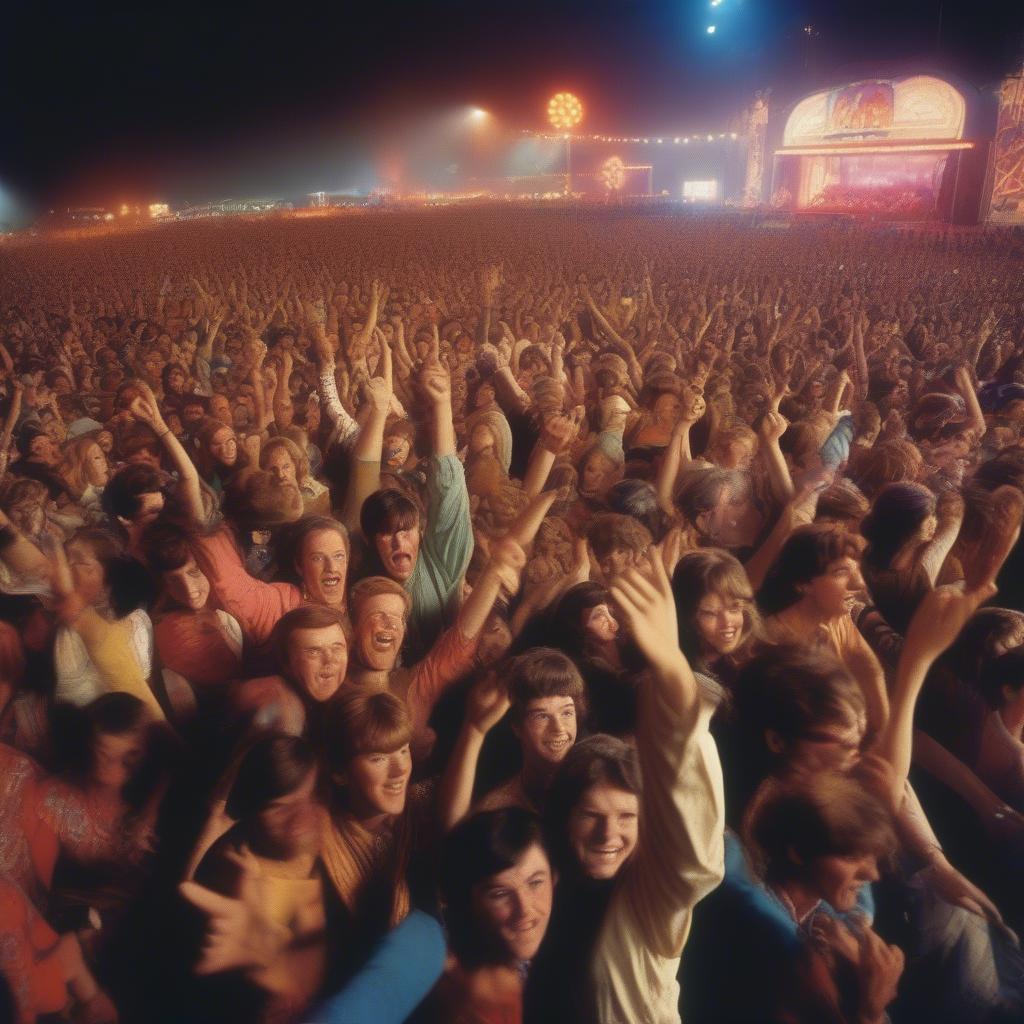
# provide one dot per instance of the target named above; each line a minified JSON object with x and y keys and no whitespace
{"x":565,"y":112}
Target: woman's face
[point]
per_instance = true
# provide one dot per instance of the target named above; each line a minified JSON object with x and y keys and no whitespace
{"x":667,"y":409}
{"x":603,"y":828}
{"x":548,"y":730}
{"x":484,"y":396}
{"x":377,"y":782}
{"x":318,"y":660}
{"x":97,"y":472}
{"x":719,"y":622}
{"x":280,"y":464}
{"x":29,"y":516}
{"x":187,"y":586}
{"x":835,"y":592}
{"x":289,"y":826}
{"x":87,"y":572}
{"x":597,"y":474}
{"x":481,"y":440}
{"x":739,"y":454}
{"x":838,"y":880}
{"x":176,"y":381}
{"x":600,"y":623}
{"x":514,"y":905}
{"x":115,"y":758}
{"x":105,"y":440}
{"x":224,"y":446}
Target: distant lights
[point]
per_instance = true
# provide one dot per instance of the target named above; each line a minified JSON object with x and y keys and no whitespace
{"x":564,"y":111}
{"x":716,"y":3}
{"x":711,"y":30}
{"x":711,"y":138}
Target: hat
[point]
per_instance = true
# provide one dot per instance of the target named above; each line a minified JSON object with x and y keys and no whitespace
{"x":85,"y":425}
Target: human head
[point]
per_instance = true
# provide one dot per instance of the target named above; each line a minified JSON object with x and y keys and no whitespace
{"x":733,"y":447}
{"x":399,"y":441}
{"x":311,"y":643}
{"x":24,"y":501}
{"x":272,"y":797}
{"x":825,"y":832}
{"x":103,"y":573}
{"x":319,"y":549}
{"x":900,"y":513}
{"x":85,"y":464}
{"x":134,"y":495}
{"x":887,"y":462}
{"x":618,"y":542}
{"x":283,"y":458}
{"x":256,"y":501}
{"x":369,"y":751}
{"x":716,"y":502}
{"x":714,"y":603}
{"x":842,"y":504}
{"x":593,"y":806}
{"x":116,"y":738}
{"x":380,"y":610}
{"x":218,"y":445}
{"x":601,"y":466}
{"x":548,"y":701}
{"x":393,"y":523}
{"x":584,"y":617}
{"x":497,"y":886}
{"x":819,"y":564}
{"x":798,"y":711}
{"x":167,"y":552}
{"x":638,"y":499}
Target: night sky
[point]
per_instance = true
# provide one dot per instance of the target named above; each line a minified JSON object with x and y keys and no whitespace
{"x":103,"y":103}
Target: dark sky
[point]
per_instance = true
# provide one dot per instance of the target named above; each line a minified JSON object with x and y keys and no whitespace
{"x":101,"y":103}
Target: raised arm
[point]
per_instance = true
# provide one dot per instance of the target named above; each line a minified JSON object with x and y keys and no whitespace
{"x":486,"y":705}
{"x":936,"y":624}
{"x":145,"y":409}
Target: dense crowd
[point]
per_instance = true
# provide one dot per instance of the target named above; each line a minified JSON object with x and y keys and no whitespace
{"x":491,"y":615}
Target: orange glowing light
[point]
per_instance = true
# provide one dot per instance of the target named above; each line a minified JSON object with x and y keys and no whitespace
{"x":564,"y":111}
{"x":613,"y":173}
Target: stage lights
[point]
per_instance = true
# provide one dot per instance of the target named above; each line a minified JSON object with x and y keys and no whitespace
{"x":711,"y":30}
{"x":564,"y":111}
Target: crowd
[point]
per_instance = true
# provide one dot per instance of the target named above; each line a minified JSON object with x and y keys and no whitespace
{"x":489,"y":616}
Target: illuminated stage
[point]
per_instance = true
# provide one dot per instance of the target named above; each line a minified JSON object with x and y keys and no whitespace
{"x":888,"y":149}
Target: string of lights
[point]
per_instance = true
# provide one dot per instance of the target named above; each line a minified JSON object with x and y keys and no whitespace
{"x":676,"y":140}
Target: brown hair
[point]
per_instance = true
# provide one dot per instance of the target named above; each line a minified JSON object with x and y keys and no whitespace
{"x":254,"y":498}
{"x":307,"y":616}
{"x":832,"y":814}
{"x":373,"y":586}
{"x":543,"y":672}
{"x":710,"y":571}
{"x":295,"y":453}
{"x":360,"y":722}
{"x":807,"y":553}
{"x":888,"y":462}
{"x":611,"y":530}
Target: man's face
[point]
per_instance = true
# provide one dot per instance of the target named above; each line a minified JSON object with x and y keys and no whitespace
{"x":323,"y":566}
{"x":42,"y":449}
{"x":318,"y":660}
{"x":515,"y":905}
{"x":380,"y":631}
{"x":548,"y":730}
{"x":398,"y":552}
{"x":188,"y":586}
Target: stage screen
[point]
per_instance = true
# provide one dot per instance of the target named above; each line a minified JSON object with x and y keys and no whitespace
{"x":901,"y":184}
{"x":700,"y":191}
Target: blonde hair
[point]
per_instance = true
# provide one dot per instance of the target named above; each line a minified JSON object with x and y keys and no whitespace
{"x":73,"y":468}
{"x":374,"y":586}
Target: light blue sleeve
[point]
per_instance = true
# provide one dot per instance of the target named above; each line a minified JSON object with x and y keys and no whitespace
{"x":401,"y":971}
{"x":448,"y":538}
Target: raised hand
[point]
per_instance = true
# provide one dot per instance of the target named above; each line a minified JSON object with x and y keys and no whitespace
{"x":486,"y":704}
{"x":437,"y":383}
{"x":644,"y":596}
